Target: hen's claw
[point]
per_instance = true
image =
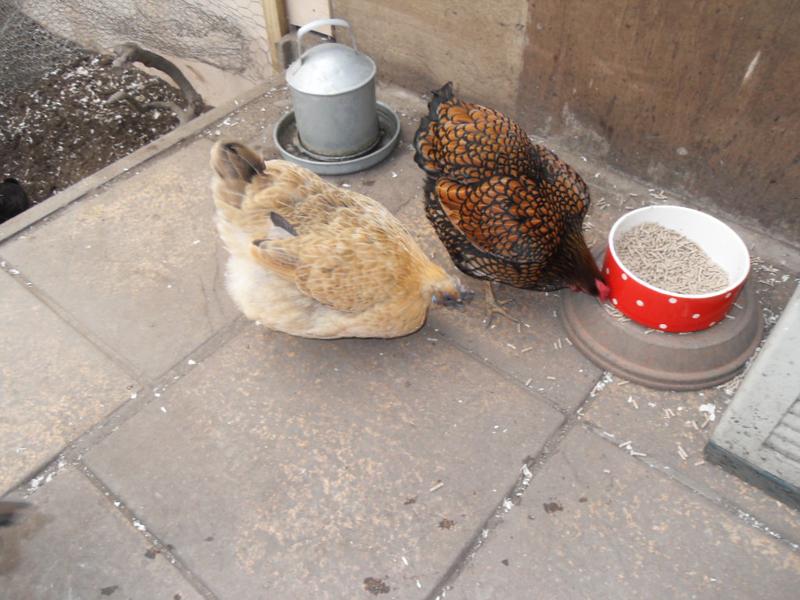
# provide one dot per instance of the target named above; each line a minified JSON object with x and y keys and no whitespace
{"x":495,"y":307}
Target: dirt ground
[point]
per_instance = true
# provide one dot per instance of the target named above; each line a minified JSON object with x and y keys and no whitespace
{"x":63,"y":127}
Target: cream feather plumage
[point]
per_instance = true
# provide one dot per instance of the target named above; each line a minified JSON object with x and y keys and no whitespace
{"x":314,"y":260}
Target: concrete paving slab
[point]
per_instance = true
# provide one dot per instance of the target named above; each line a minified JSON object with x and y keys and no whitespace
{"x":138,"y":264}
{"x":659,"y":424}
{"x":73,"y":544}
{"x":596,"y":523}
{"x":53,"y":384}
{"x":289,"y":468}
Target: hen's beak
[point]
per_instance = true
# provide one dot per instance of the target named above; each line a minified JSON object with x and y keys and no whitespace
{"x":458,"y":300}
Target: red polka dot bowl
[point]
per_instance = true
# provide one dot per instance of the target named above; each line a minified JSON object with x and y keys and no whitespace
{"x":662,"y":309}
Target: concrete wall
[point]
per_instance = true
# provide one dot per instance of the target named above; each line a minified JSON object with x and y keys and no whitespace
{"x":422,"y":44}
{"x":699,"y":96}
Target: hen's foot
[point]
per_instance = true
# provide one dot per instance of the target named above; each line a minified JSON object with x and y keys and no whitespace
{"x":495,"y":307}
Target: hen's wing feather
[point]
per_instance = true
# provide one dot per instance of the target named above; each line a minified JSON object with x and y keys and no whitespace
{"x":342,"y":266}
{"x":342,"y":279}
{"x":568,"y":187}
{"x":502,"y":216}
{"x":468,"y":141}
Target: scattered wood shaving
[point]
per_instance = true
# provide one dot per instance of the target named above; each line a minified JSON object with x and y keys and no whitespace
{"x":615,"y":313}
{"x":682,"y":452}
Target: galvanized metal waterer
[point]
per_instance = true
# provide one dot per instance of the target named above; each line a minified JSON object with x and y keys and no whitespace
{"x":333,"y":92}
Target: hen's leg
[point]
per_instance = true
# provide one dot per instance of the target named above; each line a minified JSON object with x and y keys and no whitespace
{"x":495,"y":307}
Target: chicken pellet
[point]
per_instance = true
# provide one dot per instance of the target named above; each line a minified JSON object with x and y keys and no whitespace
{"x":669,"y":260}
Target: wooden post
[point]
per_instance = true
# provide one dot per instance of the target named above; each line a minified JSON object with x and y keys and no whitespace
{"x":277,"y":27}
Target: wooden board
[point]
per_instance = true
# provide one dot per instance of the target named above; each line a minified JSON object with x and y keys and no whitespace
{"x":300,"y":12}
{"x":277,"y":26}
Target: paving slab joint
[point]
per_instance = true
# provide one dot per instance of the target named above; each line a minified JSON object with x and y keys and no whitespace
{"x":531,"y":466}
{"x":566,"y":413}
{"x":201,"y":352}
{"x":64,"y":315}
{"x":156,"y":543}
{"x":140,"y":396}
{"x":696,"y":487}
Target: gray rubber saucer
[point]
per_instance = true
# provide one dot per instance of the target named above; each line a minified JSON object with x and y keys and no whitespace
{"x":666,"y":361}
{"x":288,"y":144}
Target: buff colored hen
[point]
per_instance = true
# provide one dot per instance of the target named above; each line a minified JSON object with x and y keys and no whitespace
{"x":313,"y":260}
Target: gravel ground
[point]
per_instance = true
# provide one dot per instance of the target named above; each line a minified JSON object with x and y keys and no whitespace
{"x":63,"y":127}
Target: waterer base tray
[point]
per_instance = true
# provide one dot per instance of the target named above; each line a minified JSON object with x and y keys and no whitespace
{"x":288,"y":144}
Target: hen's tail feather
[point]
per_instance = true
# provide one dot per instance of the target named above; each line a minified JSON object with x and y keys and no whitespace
{"x":443,"y":94}
{"x":234,"y":166}
{"x":423,"y":138}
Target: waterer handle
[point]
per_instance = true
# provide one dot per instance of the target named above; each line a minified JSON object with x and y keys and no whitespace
{"x":319,"y":23}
